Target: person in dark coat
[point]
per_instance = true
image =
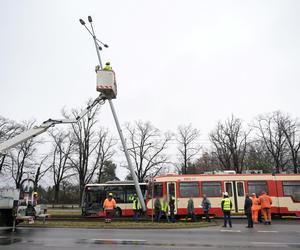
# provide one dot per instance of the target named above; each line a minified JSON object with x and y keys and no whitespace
{"x":248,"y":210}
{"x":191,"y":210}
{"x":172,"y":209}
{"x":206,"y":205}
{"x":157,"y":209}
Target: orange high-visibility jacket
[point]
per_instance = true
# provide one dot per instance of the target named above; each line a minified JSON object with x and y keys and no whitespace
{"x":265,"y":201}
{"x":255,"y":204}
{"x":109,"y":204}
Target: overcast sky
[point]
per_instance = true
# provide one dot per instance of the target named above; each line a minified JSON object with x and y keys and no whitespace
{"x":177,"y":62}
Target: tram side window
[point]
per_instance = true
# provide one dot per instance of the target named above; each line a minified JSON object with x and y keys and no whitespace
{"x":157,"y":190}
{"x":189,"y":189}
{"x":292,"y":188}
{"x":211,"y":188}
{"x":240,"y":188}
{"x":257,"y":187}
{"x":229,"y":188}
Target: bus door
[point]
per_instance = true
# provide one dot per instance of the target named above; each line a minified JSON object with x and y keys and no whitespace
{"x":236,"y":192}
{"x":171,"y":193}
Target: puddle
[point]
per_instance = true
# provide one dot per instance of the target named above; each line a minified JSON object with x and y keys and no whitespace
{"x":171,"y":244}
{"x":6,"y":240}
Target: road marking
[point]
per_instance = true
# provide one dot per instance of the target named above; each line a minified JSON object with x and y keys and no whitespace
{"x":275,"y":243}
{"x":231,"y":231}
{"x":267,"y":231}
{"x":118,"y":241}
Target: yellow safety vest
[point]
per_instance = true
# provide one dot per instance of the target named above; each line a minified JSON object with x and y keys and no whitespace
{"x":131,"y":197}
{"x":107,"y":67}
{"x":164,"y":206}
{"x":226,"y":204}
{"x":136,"y":204}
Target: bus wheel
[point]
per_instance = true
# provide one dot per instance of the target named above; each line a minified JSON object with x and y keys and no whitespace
{"x":118,"y":212}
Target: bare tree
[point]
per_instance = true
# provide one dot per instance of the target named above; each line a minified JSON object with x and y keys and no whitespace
{"x":42,"y":169}
{"x":147,"y":147}
{"x":22,"y":157}
{"x":188,"y":147}
{"x":291,"y":130}
{"x":60,"y":164}
{"x":270,"y":130}
{"x":8,"y":129}
{"x":85,"y":157}
{"x":105,"y":151}
{"x":230,"y":141}
{"x":258,"y":157}
{"x":207,"y":162}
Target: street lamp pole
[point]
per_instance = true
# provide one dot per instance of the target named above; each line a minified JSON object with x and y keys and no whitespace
{"x":134,"y":177}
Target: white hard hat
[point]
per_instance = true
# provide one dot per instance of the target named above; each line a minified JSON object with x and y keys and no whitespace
{"x":225,"y":194}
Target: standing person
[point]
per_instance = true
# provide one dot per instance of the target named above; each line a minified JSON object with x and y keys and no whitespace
{"x":248,"y":210}
{"x":165,"y":208}
{"x":266,"y":203}
{"x":255,"y":208}
{"x":172,"y":209}
{"x":191,"y":210}
{"x":35,"y":198}
{"x":157,"y":209}
{"x":107,"y":66}
{"x":226,"y":206}
{"x":206,"y":205}
{"x":109,"y":205}
{"x":136,"y":207}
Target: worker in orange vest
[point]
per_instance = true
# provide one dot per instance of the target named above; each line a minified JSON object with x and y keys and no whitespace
{"x":109,"y":205}
{"x":266,"y":203}
{"x":255,"y":208}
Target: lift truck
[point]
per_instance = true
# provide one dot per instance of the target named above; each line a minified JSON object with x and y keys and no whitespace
{"x":106,"y":85}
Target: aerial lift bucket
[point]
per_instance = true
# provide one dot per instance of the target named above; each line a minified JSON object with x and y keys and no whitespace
{"x":106,"y":83}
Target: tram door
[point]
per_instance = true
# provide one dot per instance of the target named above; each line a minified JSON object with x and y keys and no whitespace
{"x":236,"y":192}
{"x":171,"y":193}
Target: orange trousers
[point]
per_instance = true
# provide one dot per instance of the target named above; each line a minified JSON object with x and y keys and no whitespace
{"x":255,"y":215}
{"x":266,"y":212}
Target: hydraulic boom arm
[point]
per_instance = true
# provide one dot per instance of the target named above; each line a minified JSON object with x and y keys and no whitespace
{"x":26,"y":135}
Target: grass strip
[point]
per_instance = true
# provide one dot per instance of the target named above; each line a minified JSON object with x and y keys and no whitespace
{"x":116,"y":224}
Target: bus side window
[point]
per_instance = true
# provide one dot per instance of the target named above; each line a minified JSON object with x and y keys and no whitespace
{"x":292,"y":188}
{"x":118,"y":193}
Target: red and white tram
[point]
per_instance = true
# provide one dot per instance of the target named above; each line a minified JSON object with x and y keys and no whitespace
{"x":283,"y":188}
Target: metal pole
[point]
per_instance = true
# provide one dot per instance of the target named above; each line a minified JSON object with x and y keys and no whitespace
{"x":152,"y":198}
{"x":134,"y":177}
{"x":97,"y":49}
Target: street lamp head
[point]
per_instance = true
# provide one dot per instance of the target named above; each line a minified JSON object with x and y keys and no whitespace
{"x":90,"y":19}
{"x":81,"y":21}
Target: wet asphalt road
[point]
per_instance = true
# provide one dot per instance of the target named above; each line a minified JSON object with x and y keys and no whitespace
{"x":280,"y":235}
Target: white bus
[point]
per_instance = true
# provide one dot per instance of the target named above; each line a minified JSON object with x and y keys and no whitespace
{"x":95,"y":194}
